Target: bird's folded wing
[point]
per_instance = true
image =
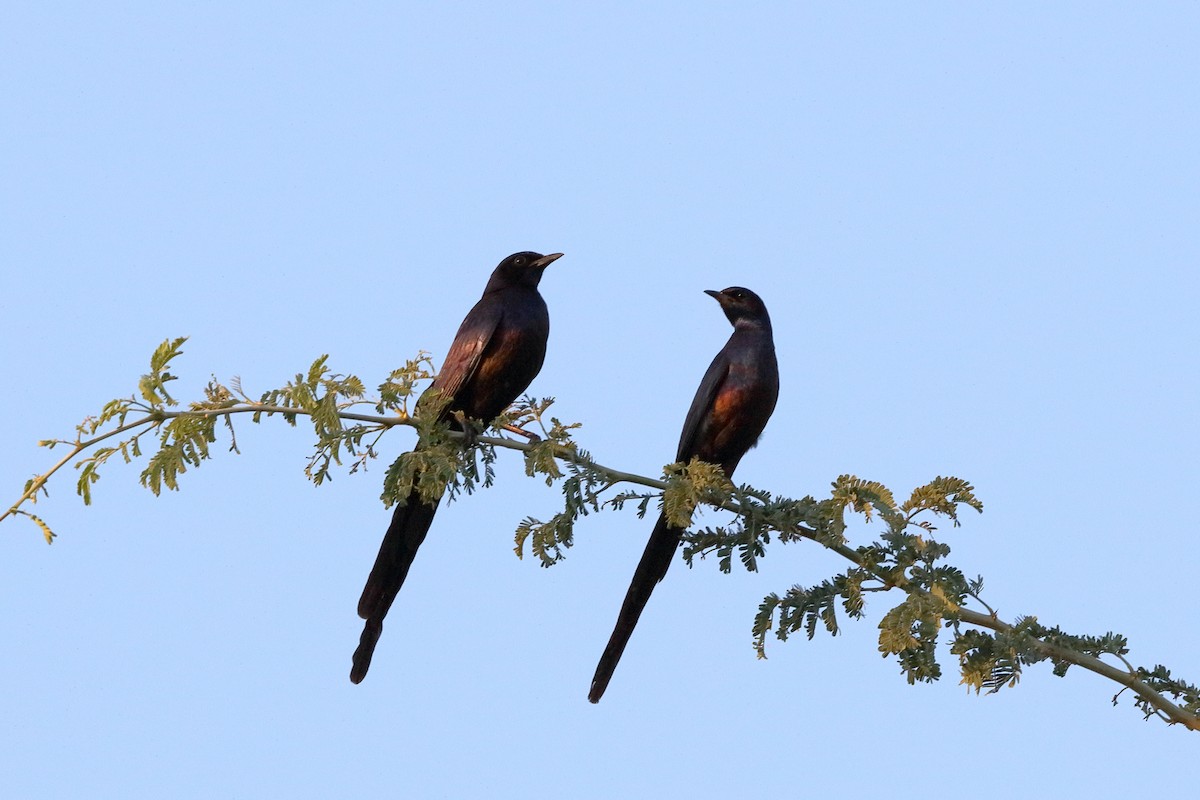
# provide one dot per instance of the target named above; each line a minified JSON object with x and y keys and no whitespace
{"x":470,"y":343}
{"x":702,"y":406}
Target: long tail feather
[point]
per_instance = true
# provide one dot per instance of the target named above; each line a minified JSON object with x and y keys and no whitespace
{"x":404,"y":536}
{"x":656,"y":559}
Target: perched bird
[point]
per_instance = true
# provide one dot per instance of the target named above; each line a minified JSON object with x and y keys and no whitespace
{"x":727,"y":416}
{"x":497,"y":352}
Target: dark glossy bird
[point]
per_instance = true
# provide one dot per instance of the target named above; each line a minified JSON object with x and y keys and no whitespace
{"x":727,"y":416}
{"x":497,"y":352}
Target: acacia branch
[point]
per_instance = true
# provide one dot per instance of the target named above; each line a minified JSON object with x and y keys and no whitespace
{"x":78,"y":446}
{"x":156,"y":417}
{"x":1128,"y":678}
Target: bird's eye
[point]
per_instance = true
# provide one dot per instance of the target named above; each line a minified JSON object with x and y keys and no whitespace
{"x":739,"y":294}
{"x":520,"y":262}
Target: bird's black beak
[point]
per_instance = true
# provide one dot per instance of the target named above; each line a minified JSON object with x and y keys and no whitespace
{"x":714,"y":294}
{"x":546,"y":261}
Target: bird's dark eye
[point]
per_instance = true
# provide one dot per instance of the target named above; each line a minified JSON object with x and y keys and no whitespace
{"x":739,"y":294}
{"x":520,"y":262}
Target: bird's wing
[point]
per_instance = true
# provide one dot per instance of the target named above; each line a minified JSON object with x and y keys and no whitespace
{"x":702,"y":405}
{"x":470,"y":343}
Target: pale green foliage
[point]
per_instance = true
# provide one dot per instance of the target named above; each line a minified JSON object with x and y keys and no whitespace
{"x":47,"y":534}
{"x":689,"y":485}
{"x":582,"y":484}
{"x":322,"y":394}
{"x":864,"y":497}
{"x":402,"y":383}
{"x":153,"y":385}
{"x":942,"y":496}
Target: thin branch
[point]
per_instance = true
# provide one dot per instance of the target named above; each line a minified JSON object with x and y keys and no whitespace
{"x":983,"y":602}
{"x":78,"y":447}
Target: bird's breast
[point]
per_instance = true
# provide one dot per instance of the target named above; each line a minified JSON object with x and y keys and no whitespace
{"x":739,"y":412}
{"x":512,"y":360}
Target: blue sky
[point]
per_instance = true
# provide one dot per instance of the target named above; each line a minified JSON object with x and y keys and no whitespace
{"x":975,"y":228}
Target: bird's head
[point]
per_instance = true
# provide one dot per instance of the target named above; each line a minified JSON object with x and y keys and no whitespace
{"x":521,"y":269}
{"x":743,"y":307}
